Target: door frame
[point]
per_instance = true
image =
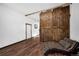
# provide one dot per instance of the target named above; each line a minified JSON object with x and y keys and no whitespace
{"x":26,"y":30}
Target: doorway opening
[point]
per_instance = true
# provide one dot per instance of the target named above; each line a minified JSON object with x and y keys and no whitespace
{"x":28,"y":31}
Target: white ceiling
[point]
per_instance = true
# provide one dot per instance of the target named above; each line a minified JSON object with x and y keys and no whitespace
{"x":27,"y":8}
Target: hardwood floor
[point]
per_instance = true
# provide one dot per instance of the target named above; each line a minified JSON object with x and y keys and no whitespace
{"x":32,"y":47}
{"x":29,"y":47}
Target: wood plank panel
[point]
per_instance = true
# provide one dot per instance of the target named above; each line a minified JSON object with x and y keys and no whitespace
{"x":46,"y":22}
{"x":54,"y":25}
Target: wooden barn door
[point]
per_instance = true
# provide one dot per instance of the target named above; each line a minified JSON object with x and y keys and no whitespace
{"x":54,"y":25}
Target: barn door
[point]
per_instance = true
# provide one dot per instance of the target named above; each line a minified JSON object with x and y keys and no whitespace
{"x":54,"y":25}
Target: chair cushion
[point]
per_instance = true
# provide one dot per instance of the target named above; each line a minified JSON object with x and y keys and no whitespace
{"x":67,"y":43}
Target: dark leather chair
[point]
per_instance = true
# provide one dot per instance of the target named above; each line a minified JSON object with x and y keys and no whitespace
{"x":66,"y":47}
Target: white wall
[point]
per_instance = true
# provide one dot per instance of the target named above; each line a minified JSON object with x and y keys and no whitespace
{"x":12,"y":26}
{"x":35,"y":32}
{"x":74,"y":22}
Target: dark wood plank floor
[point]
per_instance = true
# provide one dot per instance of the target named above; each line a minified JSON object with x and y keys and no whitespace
{"x":30,"y":47}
